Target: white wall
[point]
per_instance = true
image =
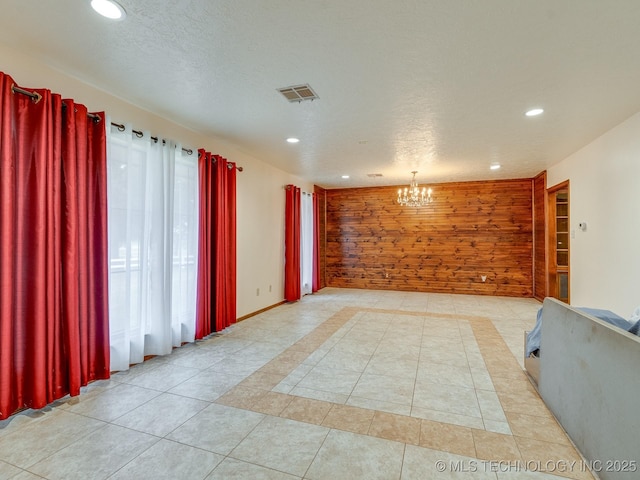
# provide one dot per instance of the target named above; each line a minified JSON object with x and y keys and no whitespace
{"x":605,"y":193}
{"x":260,"y":187}
{"x":261,"y":197}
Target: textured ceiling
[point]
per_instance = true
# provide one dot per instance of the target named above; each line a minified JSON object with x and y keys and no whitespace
{"x":430,"y":85}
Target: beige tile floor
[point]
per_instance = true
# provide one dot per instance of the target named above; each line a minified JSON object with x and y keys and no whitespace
{"x":344,"y":384}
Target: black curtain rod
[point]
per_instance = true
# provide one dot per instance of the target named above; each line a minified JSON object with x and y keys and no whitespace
{"x":36,"y":97}
{"x":139,"y":134}
{"x":229,"y":165}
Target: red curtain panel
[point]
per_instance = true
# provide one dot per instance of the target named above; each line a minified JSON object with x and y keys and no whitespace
{"x":292,"y":244}
{"x":224,"y":272}
{"x":204,"y":325}
{"x":216,"y":298}
{"x":315,"y":285}
{"x":54,"y":330}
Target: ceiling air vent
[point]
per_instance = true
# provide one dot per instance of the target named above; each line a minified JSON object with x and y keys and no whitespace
{"x":374,"y":175}
{"x":298,"y":93}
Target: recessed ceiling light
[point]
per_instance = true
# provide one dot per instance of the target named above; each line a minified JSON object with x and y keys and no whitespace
{"x":495,"y":166}
{"x":293,"y":140}
{"x":109,"y":8}
{"x":345,"y":176}
{"x":534,"y":112}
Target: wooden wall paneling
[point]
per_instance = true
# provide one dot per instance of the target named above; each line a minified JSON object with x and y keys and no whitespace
{"x":321,"y":195}
{"x":472,"y":229}
{"x":540,"y":278}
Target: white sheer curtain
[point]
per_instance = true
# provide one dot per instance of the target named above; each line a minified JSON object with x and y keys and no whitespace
{"x":306,"y":243}
{"x":153,"y":239}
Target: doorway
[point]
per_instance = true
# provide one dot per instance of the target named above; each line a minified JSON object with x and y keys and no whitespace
{"x":558,"y":241}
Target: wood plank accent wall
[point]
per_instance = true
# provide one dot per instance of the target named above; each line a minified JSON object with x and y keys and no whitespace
{"x":471,"y":229}
{"x":540,"y":284}
{"x":321,"y":195}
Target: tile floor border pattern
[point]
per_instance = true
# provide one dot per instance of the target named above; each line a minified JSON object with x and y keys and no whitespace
{"x":537,"y":439}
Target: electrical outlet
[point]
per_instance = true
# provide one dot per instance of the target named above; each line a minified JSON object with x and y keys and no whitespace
{"x":269,"y":287}
{"x":257,"y":292}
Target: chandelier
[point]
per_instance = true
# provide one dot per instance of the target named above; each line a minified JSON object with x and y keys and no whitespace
{"x":412,"y":196}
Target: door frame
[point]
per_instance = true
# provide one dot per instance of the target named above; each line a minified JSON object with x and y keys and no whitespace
{"x":552,"y":266}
